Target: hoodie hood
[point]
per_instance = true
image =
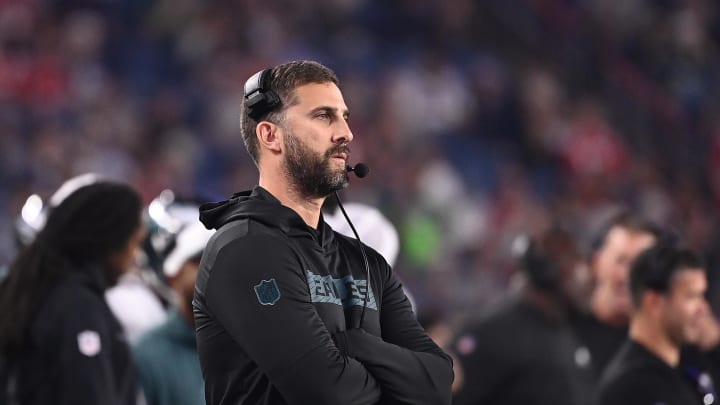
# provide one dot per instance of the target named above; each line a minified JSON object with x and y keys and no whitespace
{"x":261,"y":206}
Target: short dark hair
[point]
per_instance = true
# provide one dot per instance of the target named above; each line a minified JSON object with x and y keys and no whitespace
{"x":283,"y":81}
{"x":627,"y":220}
{"x":655,"y":268}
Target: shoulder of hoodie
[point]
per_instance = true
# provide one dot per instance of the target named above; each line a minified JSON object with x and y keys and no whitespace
{"x":73,"y":293}
{"x":252,"y":234}
{"x":70,"y":301}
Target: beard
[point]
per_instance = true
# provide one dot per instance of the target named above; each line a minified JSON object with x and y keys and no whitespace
{"x":310,"y":172}
{"x":681,"y":333}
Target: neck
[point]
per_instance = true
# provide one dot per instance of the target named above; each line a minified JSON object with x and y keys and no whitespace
{"x":184,"y":307}
{"x":547,"y":302}
{"x":307,"y":207}
{"x":606,"y":313}
{"x":648,"y":333}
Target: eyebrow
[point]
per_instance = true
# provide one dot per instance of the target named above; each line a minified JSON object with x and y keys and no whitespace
{"x":332,"y":110}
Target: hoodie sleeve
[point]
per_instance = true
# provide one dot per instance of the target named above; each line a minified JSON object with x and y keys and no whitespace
{"x":409,"y":366}
{"x":258,"y":292}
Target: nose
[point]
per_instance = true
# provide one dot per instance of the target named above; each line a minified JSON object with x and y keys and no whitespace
{"x":342,"y":133}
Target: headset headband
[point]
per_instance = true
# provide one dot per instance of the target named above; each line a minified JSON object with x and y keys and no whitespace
{"x":259,"y":99}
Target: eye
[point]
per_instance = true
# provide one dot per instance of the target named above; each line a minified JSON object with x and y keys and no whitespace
{"x":323,"y":116}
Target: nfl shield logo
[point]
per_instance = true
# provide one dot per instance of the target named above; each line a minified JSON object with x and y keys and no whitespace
{"x":89,"y":343}
{"x":267,"y":292}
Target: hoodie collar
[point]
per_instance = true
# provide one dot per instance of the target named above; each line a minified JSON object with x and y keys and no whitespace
{"x":260,"y":205}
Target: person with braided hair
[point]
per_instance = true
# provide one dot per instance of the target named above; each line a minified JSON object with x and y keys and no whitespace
{"x":59,"y":341}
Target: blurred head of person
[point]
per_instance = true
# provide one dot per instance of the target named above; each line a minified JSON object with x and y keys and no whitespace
{"x":668,"y":286}
{"x":554,"y":266}
{"x":182,"y":262}
{"x":34,"y":211}
{"x":624,"y":237}
{"x":93,"y":233}
{"x":165,"y":217}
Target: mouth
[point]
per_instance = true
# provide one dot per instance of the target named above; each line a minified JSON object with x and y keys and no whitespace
{"x":342,"y":156}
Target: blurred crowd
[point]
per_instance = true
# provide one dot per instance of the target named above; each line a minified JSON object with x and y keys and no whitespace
{"x":479,"y":120}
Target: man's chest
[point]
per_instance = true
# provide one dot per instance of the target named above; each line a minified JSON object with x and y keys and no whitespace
{"x":339,"y":289}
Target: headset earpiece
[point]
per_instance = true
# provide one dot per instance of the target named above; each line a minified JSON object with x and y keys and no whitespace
{"x":539,"y":269}
{"x":259,"y":99}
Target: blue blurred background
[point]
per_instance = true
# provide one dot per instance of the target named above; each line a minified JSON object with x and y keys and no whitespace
{"x":479,"y":119}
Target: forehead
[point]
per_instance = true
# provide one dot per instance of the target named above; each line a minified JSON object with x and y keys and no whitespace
{"x":313,"y":95}
{"x":689,"y":279}
{"x":628,"y":238}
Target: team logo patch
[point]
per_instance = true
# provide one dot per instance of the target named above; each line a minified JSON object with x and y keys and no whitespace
{"x":267,"y":292}
{"x":89,"y":343}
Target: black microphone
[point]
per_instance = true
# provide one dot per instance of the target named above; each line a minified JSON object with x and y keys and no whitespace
{"x":361,"y":170}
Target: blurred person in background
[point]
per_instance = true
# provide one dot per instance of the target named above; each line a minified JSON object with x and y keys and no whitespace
{"x":34,"y":212}
{"x":604,"y":327}
{"x":166,"y":356}
{"x":622,"y":240}
{"x":668,"y":286}
{"x":141,"y":298}
{"x":524,"y":351}
{"x":60,"y":342}
{"x":442,"y":331}
{"x":139,"y":302}
{"x":286,"y":310}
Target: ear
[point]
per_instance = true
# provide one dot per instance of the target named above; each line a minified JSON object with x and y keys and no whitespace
{"x":653,"y":302}
{"x":268,"y":135}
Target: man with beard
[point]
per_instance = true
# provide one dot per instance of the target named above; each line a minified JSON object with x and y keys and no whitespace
{"x":668,"y":287}
{"x":288,"y":311}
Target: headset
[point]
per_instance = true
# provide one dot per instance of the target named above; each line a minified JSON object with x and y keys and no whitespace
{"x":538,"y":268}
{"x":35,"y":211}
{"x":259,"y":99}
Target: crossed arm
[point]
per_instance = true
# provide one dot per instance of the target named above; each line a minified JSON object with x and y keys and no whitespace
{"x":292,"y":346}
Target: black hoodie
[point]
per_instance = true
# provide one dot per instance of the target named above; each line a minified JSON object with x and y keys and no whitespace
{"x":277,"y":310}
{"x":75,"y":351}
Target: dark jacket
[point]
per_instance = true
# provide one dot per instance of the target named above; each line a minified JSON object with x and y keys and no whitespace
{"x":636,"y":376}
{"x":277,"y":308}
{"x":517,"y":354}
{"x":75,"y":353}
